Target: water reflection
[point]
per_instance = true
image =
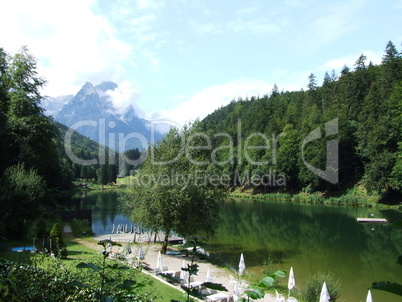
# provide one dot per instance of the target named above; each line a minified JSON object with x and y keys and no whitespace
{"x":311,"y":239}
{"x":308,"y":237}
{"x":104,"y":206}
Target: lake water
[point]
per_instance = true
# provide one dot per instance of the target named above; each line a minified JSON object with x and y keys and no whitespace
{"x":308,"y":237}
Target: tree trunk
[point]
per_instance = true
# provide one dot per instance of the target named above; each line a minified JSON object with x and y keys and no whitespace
{"x":165,"y":243}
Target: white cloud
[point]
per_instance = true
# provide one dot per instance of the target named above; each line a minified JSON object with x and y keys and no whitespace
{"x":211,"y":98}
{"x":124,"y":96}
{"x":74,"y":44}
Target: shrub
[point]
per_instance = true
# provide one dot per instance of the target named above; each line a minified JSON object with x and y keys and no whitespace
{"x":58,"y":245}
{"x":312,"y":289}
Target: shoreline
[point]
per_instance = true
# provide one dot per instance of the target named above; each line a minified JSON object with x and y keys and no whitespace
{"x":174,"y":262}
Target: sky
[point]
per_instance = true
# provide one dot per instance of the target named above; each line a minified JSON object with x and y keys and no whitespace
{"x":183,"y":59}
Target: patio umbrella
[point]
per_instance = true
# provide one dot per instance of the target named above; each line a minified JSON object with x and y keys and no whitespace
{"x":324,"y":296}
{"x":291,"y":281}
{"x":113,"y":231}
{"x":128,"y":248}
{"x":242,"y":265}
{"x":208,"y":278}
{"x":369,"y":298}
{"x":140,"y":254}
{"x":236,"y":291}
{"x":159,"y":266}
{"x":183,"y":274}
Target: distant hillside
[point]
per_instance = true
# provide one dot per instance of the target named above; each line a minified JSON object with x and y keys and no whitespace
{"x":79,"y":142}
{"x":328,"y":138}
{"x":86,"y":149}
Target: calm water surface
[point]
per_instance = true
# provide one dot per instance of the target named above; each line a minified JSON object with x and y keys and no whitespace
{"x":310,"y":238}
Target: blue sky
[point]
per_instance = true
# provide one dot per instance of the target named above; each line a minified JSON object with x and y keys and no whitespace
{"x":179,"y":59}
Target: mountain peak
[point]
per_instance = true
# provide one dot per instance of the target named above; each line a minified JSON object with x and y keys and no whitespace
{"x":93,"y":103}
{"x":87,"y":87}
{"x":130,"y":114}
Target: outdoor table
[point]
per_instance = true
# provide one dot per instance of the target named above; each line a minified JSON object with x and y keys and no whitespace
{"x":217,"y":297}
{"x":194,"y":284}
{"x":169,"y":272}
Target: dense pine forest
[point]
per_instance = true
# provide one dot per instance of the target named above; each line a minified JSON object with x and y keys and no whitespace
{"x":365,"y":102}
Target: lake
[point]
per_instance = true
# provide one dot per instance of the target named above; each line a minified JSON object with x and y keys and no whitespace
{"x":311,"y":238}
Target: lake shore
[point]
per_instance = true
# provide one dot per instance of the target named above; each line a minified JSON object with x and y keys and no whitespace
{"x":174,"y":261}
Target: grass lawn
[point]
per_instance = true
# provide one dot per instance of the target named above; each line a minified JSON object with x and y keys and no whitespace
{"x":87,"y":250}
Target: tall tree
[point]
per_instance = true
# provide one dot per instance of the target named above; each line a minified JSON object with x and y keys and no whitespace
{"x":3,"y":110}
{"x":392,"y":69}
{"x":172,"y":191}
{"x":31,"y":133}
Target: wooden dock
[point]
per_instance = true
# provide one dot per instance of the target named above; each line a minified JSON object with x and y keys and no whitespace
{"x":372,"y":220}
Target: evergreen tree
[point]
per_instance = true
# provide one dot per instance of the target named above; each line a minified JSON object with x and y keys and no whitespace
{"x":3,"y":111}
{"x":57,"y":243}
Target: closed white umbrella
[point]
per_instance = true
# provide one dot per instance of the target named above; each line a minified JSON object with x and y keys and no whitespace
{"x":208,"y":278}
{"x":236,"y":291}
{"x":183,"y":274}
{"x":324,"y":296}
{"x":291,"y":281}
{"x":242,"y":265}
{"x":140,"y":254}
{"x":369,"y":298}
{"x":159,"y":266}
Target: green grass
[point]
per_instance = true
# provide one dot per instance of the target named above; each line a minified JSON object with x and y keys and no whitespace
{"x":149,"y":286}
{"x":125,"y":180}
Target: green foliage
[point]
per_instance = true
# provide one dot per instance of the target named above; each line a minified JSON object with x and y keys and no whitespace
{"x":58,"y":246}
{"x":313,"y":285}
{"x":22,"y":194}
{"x":258,"y":291}
{"x":390,"y":287}
{"x":21,"y":282}
{"x":171,"y":192}
{"x":80,"y":227}
{"x":367,"y":103}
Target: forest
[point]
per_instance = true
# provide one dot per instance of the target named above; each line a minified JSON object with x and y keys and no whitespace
{"x":365,"y":102}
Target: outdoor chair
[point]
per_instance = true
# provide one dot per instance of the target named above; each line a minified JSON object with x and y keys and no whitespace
{"x":243,"y":284}
{"x":292,"y":299}
{"x":279,"y":297}
{"x":232,"y":280}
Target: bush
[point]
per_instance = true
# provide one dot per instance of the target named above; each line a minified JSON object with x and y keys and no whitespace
{"x":80,"y":227}
{"x":312,"y":289}
{"x":22,"y":194}
{"x":21,"y":282}
{"x":58,"y":245}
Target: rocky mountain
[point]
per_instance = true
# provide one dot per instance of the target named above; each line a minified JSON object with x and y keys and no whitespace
{"x":53,"y":105}
{"x":91,"y":113}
